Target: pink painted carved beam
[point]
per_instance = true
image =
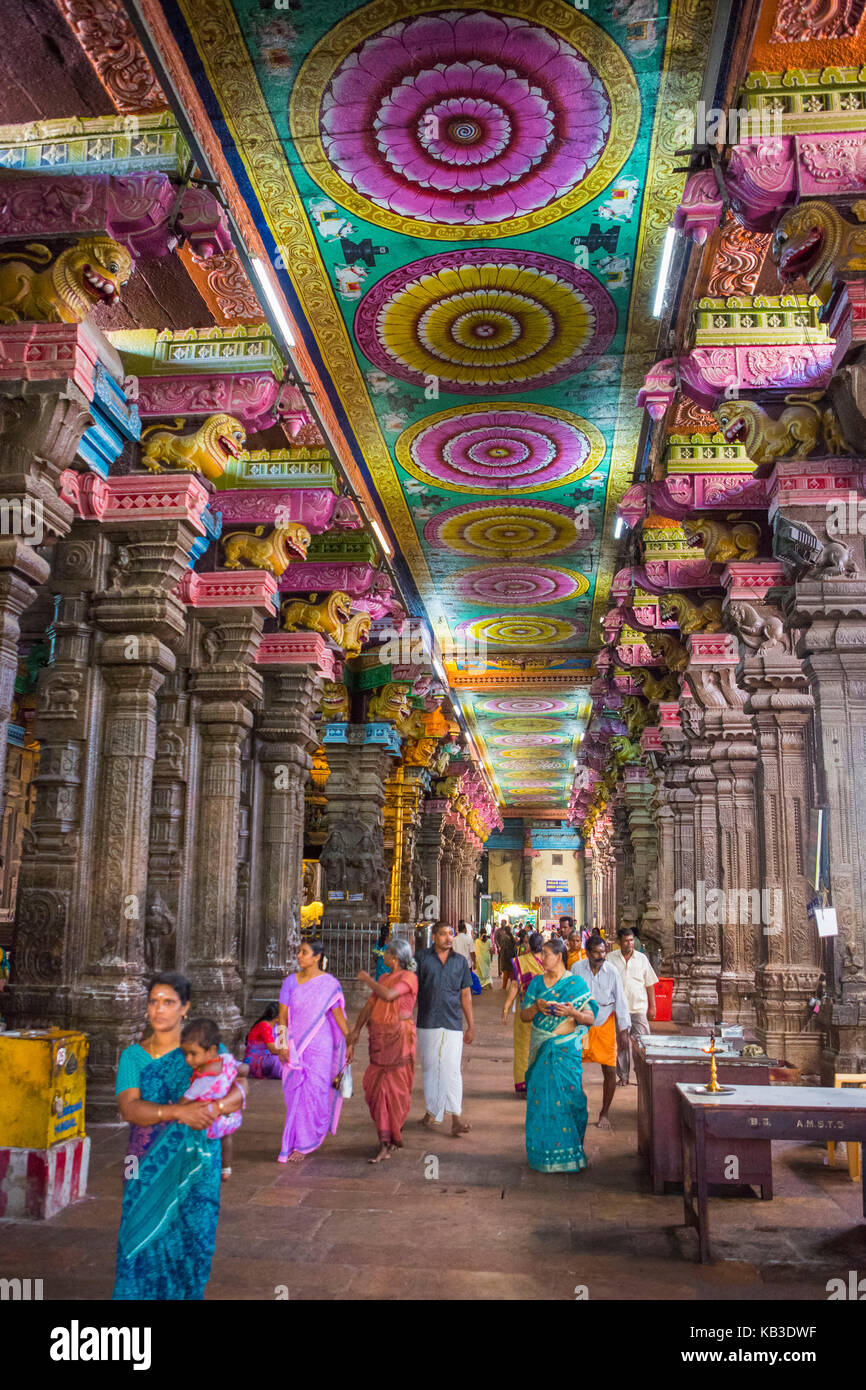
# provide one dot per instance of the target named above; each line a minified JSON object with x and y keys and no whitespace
{"x":141,"y":211}
{"x":659,"y":576}
{"x":49,"y":352}
{"x":256,"y":398}
{"x":313,"y":507}
{"x":297,"y":649}
{"x":682,"y":494}
{"x":323,"y":576}
{"x":707,"y":374}
{"x":769,"y":174}
{"x":713,"y":649}
{"x":752,"y":579}
{"x":669,"y":714}
{"x":815,"y":482}
{"x":244,"y":589}
{"x":650,"y":740}
{"x":116,"y":501}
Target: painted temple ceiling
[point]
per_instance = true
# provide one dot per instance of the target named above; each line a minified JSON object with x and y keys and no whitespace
{"x":467,"y":206}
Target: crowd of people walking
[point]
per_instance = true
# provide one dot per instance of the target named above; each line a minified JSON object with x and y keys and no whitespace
{"x":566,"y":1000}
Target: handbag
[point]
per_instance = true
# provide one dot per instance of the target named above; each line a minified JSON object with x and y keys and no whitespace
{"x":343,"y":1083}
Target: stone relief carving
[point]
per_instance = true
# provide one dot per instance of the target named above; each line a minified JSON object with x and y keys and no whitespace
{"x":160,"y":935}
{"x":760,"y":632}
{"x":41,"y":924}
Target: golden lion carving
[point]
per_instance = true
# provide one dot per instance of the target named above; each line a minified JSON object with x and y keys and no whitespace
{"x":271,"y":552}
{"x":692,"y":617}
{"x":419,"y":752}
{"x":334,"y":703}
{"x":448,"y":788}
{"x":414,"y":725}
{"x":391,"y":703}
{"x":89,"y":273}
{"x":668,"y":650}
{"x":794,"y":435}
{"x":625,"y":750}
{"x":814,"y":241}
{"x":328,"y":617}
{"x":355,"y":633}
{"x":635,"y":714}
{"x":721,"y":542}
{"x":217,"y":439}
{"x":656,"y":688}
{"x":477,"y":825}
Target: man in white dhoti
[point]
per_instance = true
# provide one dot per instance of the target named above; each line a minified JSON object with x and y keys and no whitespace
{"x":444,"y":1001}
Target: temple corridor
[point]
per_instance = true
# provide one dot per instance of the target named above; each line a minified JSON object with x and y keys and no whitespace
{"x":488,"y":1228}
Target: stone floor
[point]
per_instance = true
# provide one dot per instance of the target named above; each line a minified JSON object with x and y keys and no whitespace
{"x":485,"y":1228}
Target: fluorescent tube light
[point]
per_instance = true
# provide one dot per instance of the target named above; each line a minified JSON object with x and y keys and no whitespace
{"x":381,"y":538}
{"x":667,"y":254}
{"x":618,"y":528}
{"x":275,"y":302}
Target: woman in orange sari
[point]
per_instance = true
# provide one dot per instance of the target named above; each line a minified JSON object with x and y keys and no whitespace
{"x":525,"y":967}
{"x":388,"y":1015}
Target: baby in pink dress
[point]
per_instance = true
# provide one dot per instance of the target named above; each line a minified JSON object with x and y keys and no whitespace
{"x":213,"y":1075}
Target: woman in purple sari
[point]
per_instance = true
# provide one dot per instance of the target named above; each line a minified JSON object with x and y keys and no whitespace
{"x":312,"y":1039}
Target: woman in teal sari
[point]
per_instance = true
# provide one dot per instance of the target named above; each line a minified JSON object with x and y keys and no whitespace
{"x":171,"y":1194}
{"x":561,"y":1010}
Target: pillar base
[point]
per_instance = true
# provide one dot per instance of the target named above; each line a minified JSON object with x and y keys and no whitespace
{"x":737,"y":995}
{"x":848,"y":1032}
{"x":704,"y":993}
{"x":782,"y":1016}
{"x":35,"y":1184}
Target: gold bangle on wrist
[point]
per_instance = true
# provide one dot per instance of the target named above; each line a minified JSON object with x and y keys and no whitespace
{"x":159,"y":1114}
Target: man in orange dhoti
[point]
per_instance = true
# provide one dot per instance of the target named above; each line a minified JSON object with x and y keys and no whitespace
{"x":612,"y":1022}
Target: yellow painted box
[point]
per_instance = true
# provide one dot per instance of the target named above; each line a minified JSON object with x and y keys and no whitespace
{"x":41,"y":1087}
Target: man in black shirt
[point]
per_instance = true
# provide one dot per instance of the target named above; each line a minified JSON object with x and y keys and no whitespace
{"x":444,"y":1000}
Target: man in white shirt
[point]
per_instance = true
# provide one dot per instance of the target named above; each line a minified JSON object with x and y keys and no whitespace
{"x":462,"y":944}
{"x":612,"y":1022}
{"x":638,"y":978}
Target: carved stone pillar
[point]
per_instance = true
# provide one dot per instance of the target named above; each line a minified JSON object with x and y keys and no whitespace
{"x":680,"y":798}
{"x":41,"y":424}
{"x":403,"y":794}
{"x":589,"y":856}
{"x":624,"y":911}
{"x":56,"y":860}
{"x":781,"y":707}
{"x":829,"y":609}
{"x":170,"y":853}
{"x":468,"y":870}
{"x":294,"y":666}
{"x":604,"y":870}
{"x":638,"y":794}
{"x":449,"y":850}
{"x":580,"y":917}
{"x":141,"y":619}
{"x":228,"y":687}
{"x":430,"y":851}
{"x":733,"y":754}
{"x":707,"y":963}
{"x":353,"y":857}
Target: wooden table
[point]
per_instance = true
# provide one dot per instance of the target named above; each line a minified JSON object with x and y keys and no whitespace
{"x":774,"y":1112}
{"x":659,"y":1065}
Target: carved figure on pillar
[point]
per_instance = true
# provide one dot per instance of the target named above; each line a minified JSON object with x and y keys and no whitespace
{"x":814,"y":240}
{"x":273,"y":552}
{"x":328,"y":616}
{"x":71,"y":285}
{"x":781,"y":708}
{"x":207,"y":450}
